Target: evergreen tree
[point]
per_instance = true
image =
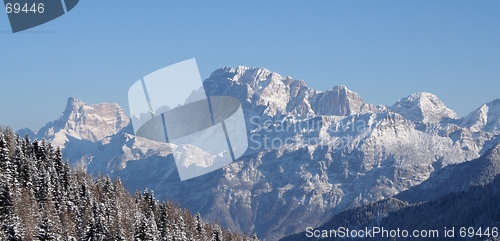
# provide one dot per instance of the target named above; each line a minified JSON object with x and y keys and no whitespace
{"x":200,"y":227}
{"x":10,"y":222}
{"x":144,"y":228}
{"x":217,"y":233}
{"x":181,"y":235}
{"x":164,"y":223}
{"x":9,"y":137}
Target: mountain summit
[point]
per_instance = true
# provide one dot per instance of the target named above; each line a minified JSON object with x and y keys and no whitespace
{"x":423,"y":107}
{"x":338,"y":101}
{"x":280,"y":95}
{"x":85,"y":122}
{"x":485,"y":118}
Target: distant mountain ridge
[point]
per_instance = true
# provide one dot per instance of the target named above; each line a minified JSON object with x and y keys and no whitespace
{"x":334,"y":150}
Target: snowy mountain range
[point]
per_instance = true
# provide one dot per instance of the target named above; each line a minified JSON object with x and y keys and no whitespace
{"x":311,"y":153}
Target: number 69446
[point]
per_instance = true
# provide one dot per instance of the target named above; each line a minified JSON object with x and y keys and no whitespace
{"x":18,"y":8}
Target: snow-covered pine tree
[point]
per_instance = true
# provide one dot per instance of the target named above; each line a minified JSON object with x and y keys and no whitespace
{"x":10,"y":223}
{"x":216,"y":233}
{"x":163,"y":223}
{"x":10,"y":138}
{"x":144,"y":228}
{"x":182,"y":229}
{"x":200,"y":227}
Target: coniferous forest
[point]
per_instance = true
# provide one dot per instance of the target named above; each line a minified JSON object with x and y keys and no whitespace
{"x":42,"y":198}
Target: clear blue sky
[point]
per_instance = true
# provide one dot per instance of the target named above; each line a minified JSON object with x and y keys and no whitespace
{"x":384,"y":50}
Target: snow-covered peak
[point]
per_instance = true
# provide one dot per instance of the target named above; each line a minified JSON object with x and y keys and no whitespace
{"x":341,"y":88}
{"x":338,"y":101}
{"x":222,"y":72}
{"x":242,"y":74}
{"x":257,"y":78}
{"x":283,"y":95}
{"x":72,"y":101}
{"x":485,"y":118}
{"x":85,"y":122}
{"x":423,"y":107}
{"x":259,"y":87}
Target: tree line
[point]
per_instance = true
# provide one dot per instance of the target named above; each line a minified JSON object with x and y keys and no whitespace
{"x":42,"y":198}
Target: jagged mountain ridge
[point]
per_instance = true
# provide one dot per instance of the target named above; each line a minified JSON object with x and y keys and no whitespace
{"x":342,"y":152}
{"x":284,"y":95}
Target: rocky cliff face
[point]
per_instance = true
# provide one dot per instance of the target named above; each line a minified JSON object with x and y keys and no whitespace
{"x":456,"y":178}
{"x":311,"y":154}
{"x":85,"y":122}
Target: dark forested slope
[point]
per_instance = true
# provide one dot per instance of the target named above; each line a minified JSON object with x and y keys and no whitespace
{"x":42,"y":199}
